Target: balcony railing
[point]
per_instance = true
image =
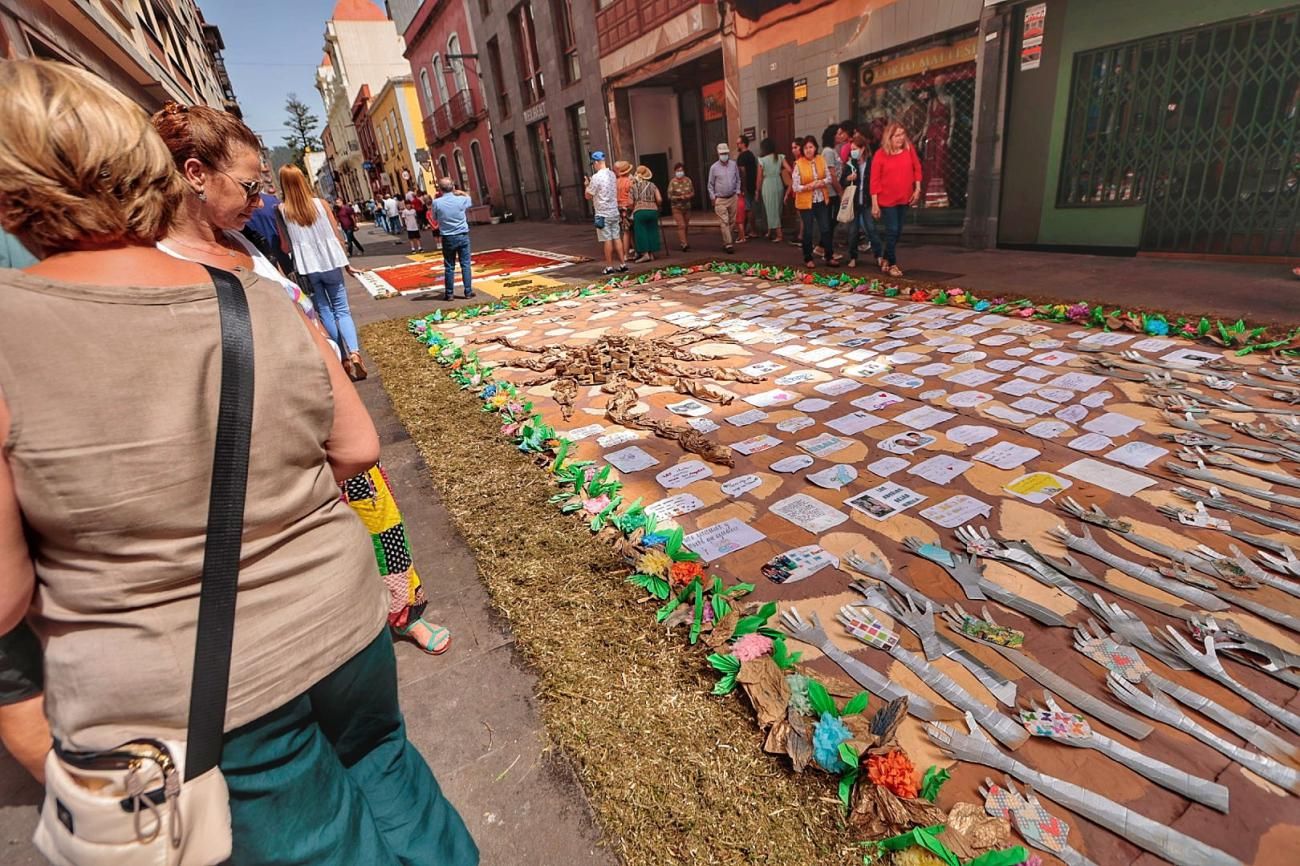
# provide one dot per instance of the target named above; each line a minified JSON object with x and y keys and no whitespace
{"x":462,"y":109}
{"x":459,"y":111}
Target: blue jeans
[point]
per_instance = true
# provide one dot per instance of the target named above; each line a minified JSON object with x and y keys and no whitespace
{"x":331,"y":298}
{"x":892,"y":217}
{"x":864,"y":223}
{"x":456,"y":247}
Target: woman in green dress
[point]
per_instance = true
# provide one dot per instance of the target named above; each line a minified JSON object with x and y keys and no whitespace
{"x":645,"y":214}
{"x":773,"y":191}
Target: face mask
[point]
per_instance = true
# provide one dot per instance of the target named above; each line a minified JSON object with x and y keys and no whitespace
{"x":680,"y":173}
{"x":724,"y":157}
{"x":855,"y":153}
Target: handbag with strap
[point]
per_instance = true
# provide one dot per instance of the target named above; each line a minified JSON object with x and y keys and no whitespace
{"x":848,"y":204}
{"x":152,"y":800}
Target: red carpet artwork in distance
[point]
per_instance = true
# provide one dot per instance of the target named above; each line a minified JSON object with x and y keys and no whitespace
{"x":427,"y":274}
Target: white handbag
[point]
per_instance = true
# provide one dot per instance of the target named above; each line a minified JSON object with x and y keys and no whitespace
{"x":848,"y":204}
{"x":156,"y":802}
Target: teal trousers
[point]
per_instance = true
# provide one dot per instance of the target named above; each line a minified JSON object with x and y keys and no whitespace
{"x":330,"y":778}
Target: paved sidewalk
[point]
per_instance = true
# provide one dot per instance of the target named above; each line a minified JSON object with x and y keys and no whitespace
{"x":1260,"y":293}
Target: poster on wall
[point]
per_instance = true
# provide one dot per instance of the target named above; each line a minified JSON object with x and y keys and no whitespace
{"x":801,"y":90}
{"x":1031,"y":43}
{"x":714,"y":96}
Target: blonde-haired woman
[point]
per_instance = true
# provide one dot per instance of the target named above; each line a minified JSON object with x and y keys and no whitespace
{"x":895,"y":185}
{"x":106,"y":451}
{"x":312,"y":235}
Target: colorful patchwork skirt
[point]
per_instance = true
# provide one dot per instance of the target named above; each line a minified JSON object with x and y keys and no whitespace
{"x":372,"y":500}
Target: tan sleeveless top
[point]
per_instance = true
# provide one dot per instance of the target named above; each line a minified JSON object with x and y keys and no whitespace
{"x":113,"y":397}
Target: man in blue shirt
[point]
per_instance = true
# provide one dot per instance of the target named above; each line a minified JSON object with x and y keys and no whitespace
{"x":264,"y":224}
{"x":449,"y":209}
{"x":12,"y":253}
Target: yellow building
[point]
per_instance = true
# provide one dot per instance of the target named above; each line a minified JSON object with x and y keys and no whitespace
{"x":395,"y":115}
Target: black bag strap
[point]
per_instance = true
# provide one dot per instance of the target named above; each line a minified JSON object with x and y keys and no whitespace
{"x":216,"y":624}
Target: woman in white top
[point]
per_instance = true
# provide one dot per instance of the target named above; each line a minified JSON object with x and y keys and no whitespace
{"x":313,"y":236}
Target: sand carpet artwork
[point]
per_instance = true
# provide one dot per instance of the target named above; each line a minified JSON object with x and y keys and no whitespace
{"x":1054,"y":557}
{"x":425,"y":273}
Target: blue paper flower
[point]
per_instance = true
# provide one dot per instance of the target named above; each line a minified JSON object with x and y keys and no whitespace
{"x":655,"y":539}
{"x":981,"y":306}
{"x":489,"y":392}
{"x":827,"y":736}
{"x":1156,"y":327}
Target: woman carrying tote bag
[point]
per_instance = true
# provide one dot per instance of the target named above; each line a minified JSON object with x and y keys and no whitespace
{"x":105,"y":524}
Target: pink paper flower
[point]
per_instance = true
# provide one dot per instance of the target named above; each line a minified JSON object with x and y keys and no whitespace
{"x":514,"y":407}
{"x":597,"y":505}
{"x":751,"y":646}
{"x":509,"y":429}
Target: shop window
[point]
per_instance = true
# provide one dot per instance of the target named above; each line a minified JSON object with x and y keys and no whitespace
{"x":498,"y":78}
{"x":562,"y":14}
{"x":937,"y":108}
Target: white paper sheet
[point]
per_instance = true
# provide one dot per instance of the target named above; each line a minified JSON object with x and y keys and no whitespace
{"x":743,"y":419}
{"x":1112,"y":478}
{"x":674,"y":506}
{"x":837,"y":476}
{"x":1006,"y":455}
{"x":683,"y":474}
{"x":1112,"y":424}
{"x":924,"y":417}
{"x":813,"y":404}
{"x":940,"y":469}
{"x":958,"y":510}
{"x":971,"y":434}
{"x":820,"y":446}
{"x":794,"y":463}
{"x":887,"y":466}
{"x":836,"y":387}
{"x":716,"y":541}
{"x":885,"y":500}
{"x":702,"y":425}
{"x":855,"y":422}
{"x":877,"y":401}
{"x":808,"y":513}
{"x":1139,"y":455}
{"x":631,"y":459}
{"x":741,"y":484}
{"x":755,"y":444}
{"x":775,"y":397}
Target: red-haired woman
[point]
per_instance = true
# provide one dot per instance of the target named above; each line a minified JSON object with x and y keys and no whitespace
{"x":895,"y":185}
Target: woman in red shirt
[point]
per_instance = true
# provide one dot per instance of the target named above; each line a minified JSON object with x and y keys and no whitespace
{"x":895,"y":184}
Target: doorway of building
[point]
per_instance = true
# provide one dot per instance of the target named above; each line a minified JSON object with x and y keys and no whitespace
{"x":780,"y":114}
{"x":514,"y":170}
{"x":539,"y":135}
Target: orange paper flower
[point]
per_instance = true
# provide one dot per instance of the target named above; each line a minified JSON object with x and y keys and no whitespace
{"x":895,"y":772}
{"x":684,"y":572}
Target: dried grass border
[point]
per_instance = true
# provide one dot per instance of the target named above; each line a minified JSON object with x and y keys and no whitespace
{"x":675,"y":775}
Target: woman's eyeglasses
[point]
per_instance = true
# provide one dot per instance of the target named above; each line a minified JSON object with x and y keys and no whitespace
{"x":252,"y":188}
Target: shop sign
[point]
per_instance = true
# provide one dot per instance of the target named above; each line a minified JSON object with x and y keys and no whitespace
{"x":534,"y":113}
{"x":1031,"y":43}
{"x":833,"y":75}
{"x":926,"y":60}
{"x":801,"y":90}
{"x":750,"y":133}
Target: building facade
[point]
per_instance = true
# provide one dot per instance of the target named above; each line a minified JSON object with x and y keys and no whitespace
{"x":1173,"y":132}
{"x":665,"y":66}
{"x":802,"y":69}
{"x":362,"y":48}
{"x":399,"y":134}
{"x":547,"y":107}
{"x":154,"y":51}
{"x":446,"y":65}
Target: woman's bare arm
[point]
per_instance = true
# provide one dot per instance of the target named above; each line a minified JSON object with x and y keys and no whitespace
{"x":17,"y":575}
{"x":353,"y":443}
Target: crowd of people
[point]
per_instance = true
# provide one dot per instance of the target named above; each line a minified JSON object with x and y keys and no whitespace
{"x":863,"y":182}
{"x":150,"y":235}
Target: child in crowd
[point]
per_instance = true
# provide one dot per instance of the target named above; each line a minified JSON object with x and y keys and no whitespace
{"x":411,"y":219}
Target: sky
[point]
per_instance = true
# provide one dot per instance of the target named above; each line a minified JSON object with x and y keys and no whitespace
{"x":272,"y":49}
